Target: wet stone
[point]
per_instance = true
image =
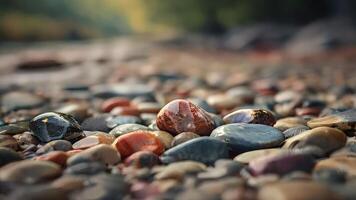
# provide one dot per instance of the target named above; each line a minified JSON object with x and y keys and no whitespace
{"x":246,"y":137}
{"x":327,"y":139}
{"x":182,"y":116}
{"x":93,"y":140}
{"x":203,"y":104}
{"x":8,"y":155}
{"x":127,"y":128}
{"x":29,"y":171}
{"x":183,"y":137}
{"x":96,"y":123}
{"x":53,"y":126}
{"x":345,"y":121}
{"x":251,"y":116}
{"x":289,"y":122}
{"x":204,"y":149}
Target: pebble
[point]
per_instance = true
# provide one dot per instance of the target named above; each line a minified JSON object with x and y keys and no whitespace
{"x":183,"y":137}
{"x":55,"y":145}
{"x":25,"y":139}
{"x":251,"y":116}
{"x":69,"y":183}
{"x":29,"y":171}
{"x":112,"y":103}
{"x":14,"y":128}
{"x":8,"y":155}
{"x":165,"y":138}
{"x":102,"y":153}
{"x":58,"y":157}
{"x":177,"y":170}
{"x":53,"y":126}
{"x":295,"y":131}
{"x":289,"y":122}
{"x":85,"y":168}
{"x":113,"y":122}
{"x":182,"y":116}
{"x":79,"y":111}
{"x":138,"y":141}
{"x":93,"y":140}
{"x":246,"y":137}
{"x":252,"y":155}
{"x":127,"y":128}
{"x":281,"y":164}
{"x":296,"y":190}
{"x":96,"y":123}
{"x":327,"y":139}
{"x":345,"y":121}
{"x":34,"y":192}
{"x":204,"y":149}
{"x":142,"y":159}
{"x":345,"y":164}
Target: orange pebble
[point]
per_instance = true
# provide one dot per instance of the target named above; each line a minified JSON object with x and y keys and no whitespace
{"x":112,"y":103}
{"x":138,"y":141}
{"x":73,"y":152}
{"x":93,"y":140}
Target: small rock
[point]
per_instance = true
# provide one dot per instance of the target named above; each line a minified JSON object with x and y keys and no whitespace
{"x":53,"y":126}
{"x":165,"y":138}
{"x":252,"y":155}
{"x":8,"y":155}
{"x":58,"y":157}
{"x":251,"y":116}
{"x":289,"y":122}
{"x":345,"y":164}
{"x":132,"y":142}
{"x":182,"y":116}
{"x":177,"y":170}
{"x":142,"y":159}
{"x":127,"y":128}
{"x":102,"y":153}
{"x":93,"y":140}
{"x":55,"y":145}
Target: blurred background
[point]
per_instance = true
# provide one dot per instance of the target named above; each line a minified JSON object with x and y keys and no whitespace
{"x":42,"y":20}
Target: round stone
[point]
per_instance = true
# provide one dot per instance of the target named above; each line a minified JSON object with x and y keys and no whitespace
{"x":177,"y":170}
{"x":29,"y":171}
{"x":327,"y":139}
{"x":183,"y":137}
{"x":58,"y":157}
{"x":204,"y":149}
{"x":96,"y":123}
{"x":182,"y":116}
{"x":345,"y":164}
{"x":138,"y":141}
{"x":113,"y":122}
{"x":26,"y":139}
{"x":53,"y":126}
{"x":251,"y":116}
{"x":295,"y":131}
{"x":127,"y":128}
{"x":111,"y":103}
{"x":247,"y":137}
{"x":55,"y":145}
{"x":345,"y":121}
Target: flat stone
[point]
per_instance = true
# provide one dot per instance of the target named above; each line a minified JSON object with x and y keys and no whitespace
{"x":345,"y":121}
{"x":289,"y":122}
{"x":29,"y":171}
{"x":113,"y":122}
{"x":204,"y":149}
{"x":177,"y":170}
{"x":55,"y":145}
{"x":247,"y":137}
{"x":93,"y":140}
{"x":252,"y":155}
{"x":295,"y":131}
{"x":327,"y":139}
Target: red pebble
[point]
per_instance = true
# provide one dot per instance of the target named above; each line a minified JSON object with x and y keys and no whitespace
{"x":138,"y":141}
{"x":126,"y":110}
{"x":112,"y":103}
{"x":182,"y":116}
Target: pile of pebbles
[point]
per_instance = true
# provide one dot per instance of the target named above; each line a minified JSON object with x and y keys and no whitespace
{"x":171,"y":136}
